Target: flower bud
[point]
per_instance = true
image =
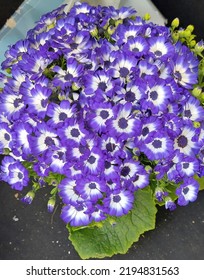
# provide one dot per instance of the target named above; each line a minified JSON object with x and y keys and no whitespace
{"x":199,"y":47}
{"x":192,"y":43}
{"x":8,"y":70}
{"x":175,"y":23}
{"x":147,"y":16}
{"x":175,"y":36}
{"x":196,"y":124}
{"x":169,"y":204}
{"x":119,"y":21}
{"x":196,"y":91}
{"x":51,"y":204}
{"x":111,"y":30}
{"x":28,"y":198}
{"x":190,"y":28}
{"x":94,"y":32}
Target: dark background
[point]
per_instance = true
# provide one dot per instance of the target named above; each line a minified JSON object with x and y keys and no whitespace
{"x":29,"y":232}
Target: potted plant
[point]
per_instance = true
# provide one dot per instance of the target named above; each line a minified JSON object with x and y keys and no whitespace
{"x":104,"y":109}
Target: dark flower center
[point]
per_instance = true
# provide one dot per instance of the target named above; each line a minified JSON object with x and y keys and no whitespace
{"x":178,"y":76}
{"x":185,"y":190}
{"x":125,"y":171}
{"x":68,"y":77}
{"x":124,"y":72}
{"x":187,"y":113}
{"x":110,"y":147}
{"x":157,"y":144}
{"x":20,"y":175}
{"x":130,"y":96}
{"x":131,"y":37}
{"x":182,"y":141}
{"x":60,"y":155}
{"x":91,"y":159}
{"x":82,"y":149}
{"x":153,"y":95}
{"x":135,"y":49}
{"x":49,"y":141}
{"x":44,"y":103}
{"x":16,"y":103}
{"x":62,"y":116}
{"x":92,"y":186}
{"x":79,"y":207}
{"x":185,"y":165}
{"x":75,"y":132}
{"x":73,"y":46}
{"x":107,"y":64}
{"x":102,"y":86}
{"x":116,"y":198}
{"x":107,"y":164}
{"x":104,"y":114}
{"x":122,"y":123}
{"x":158,"y":53}
{"x":145,"y":131}
{"x":7,"y":137}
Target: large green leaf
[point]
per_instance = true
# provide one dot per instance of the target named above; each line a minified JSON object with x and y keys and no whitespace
{"x":113,"y":238}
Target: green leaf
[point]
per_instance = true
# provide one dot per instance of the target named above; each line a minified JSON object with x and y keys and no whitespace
{"x":118,"y":234}
{"x":200,"y":181}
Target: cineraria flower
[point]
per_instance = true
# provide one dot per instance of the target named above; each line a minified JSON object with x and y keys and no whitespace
{"x":75,"y":215}
{"x":90,"y":188}
{"x":129,"y":169}
{"x":124,"y":124}
{"x":57,"y":160}
{"x":158,"y":146}
{"x":23,"y":130}
{"x":44,"y":139}
{"x":182,"y":73}
{"x":68,"y":192}
{"x":59,"y":113}
{"x":94,"y":164}
{"x":157,"y":96}
{"x":11,"y":104}
{"x":137,"y":45}
{"x":99,"y":83}
{"x":187,"y":192}
{"x":111,"y":169}
{"x":126,"y":33}
{"x":160,"y":47}
{"x":149,"y":126}
{"x":122,"y":67}
{"x":141,"y":180}
{"x":6,"y":162}
{"x":146,"y":69}
{"x":119,"y":202}
{"x":101,"y":112}
{"x":188,"y":166}
{"x":65,"y":78}
{"x":185,"y":141}
{"x":112,"y":147}
{"x":18,"y":176}
{"x":38,"y":100}
{"x":192,"y":110}
{"x":72,"y":132}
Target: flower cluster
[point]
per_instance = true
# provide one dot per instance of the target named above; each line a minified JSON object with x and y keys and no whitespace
{"x":102,"y":98}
